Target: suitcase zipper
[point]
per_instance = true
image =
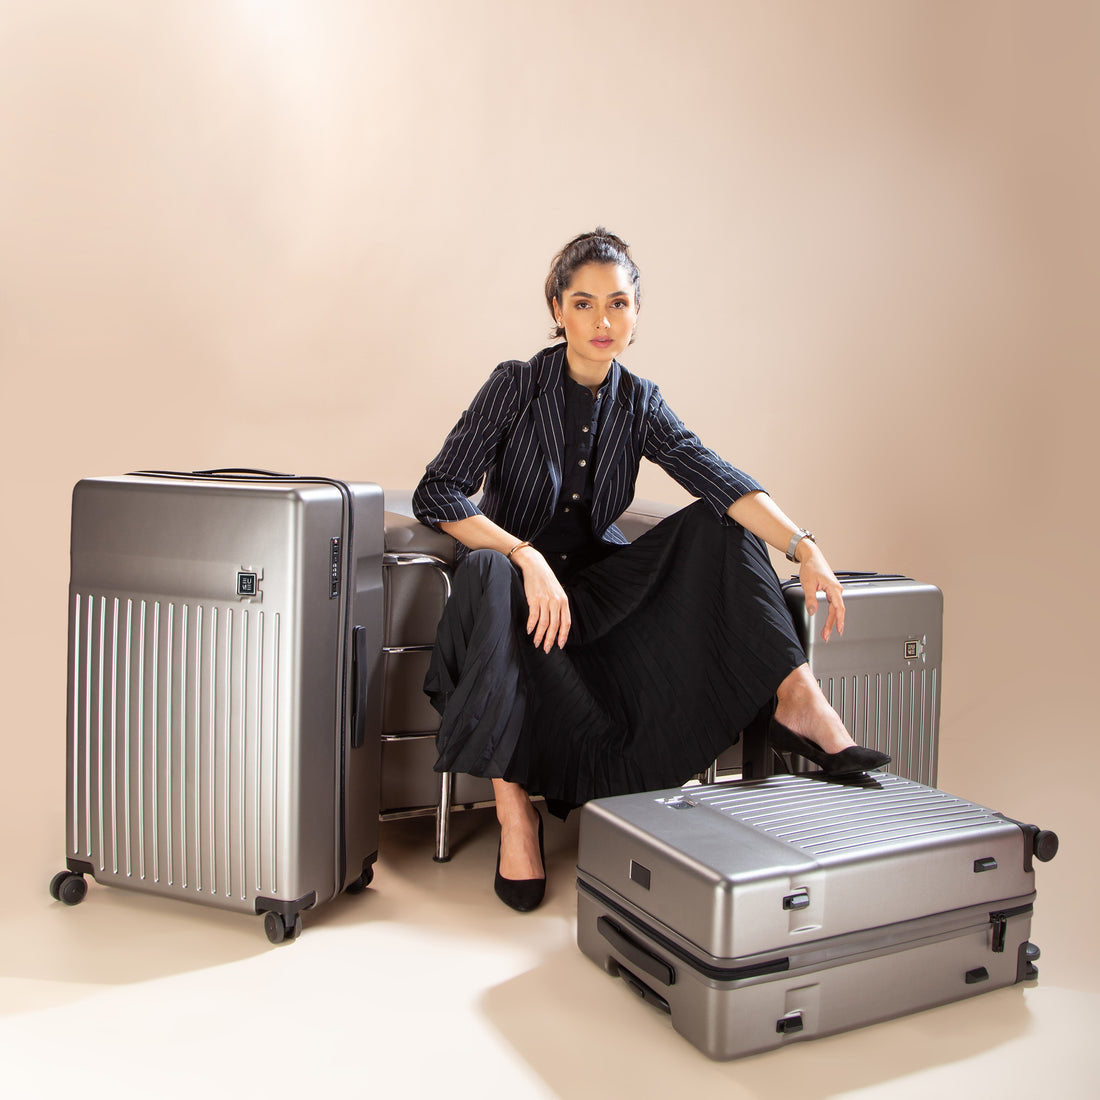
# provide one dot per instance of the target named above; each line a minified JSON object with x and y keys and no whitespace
{"x":999,"y":921}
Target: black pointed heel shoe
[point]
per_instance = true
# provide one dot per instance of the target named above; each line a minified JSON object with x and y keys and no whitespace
{"x":522,"y":894}
{"x":849,"y":761}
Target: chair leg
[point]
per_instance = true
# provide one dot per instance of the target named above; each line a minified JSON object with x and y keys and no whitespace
{"x":757,"y":759}
{"x":443,"y":817}
{"x":710,"y":775}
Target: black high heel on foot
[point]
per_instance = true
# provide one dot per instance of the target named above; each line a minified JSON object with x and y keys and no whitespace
{"x":522,"y":894}
{"x":849,"y":761}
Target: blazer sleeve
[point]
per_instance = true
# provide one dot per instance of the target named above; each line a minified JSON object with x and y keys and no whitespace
{"x":682,"y":454}
{"x":456,"y":473}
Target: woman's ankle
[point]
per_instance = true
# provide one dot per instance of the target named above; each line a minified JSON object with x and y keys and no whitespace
{"x":802,"y":708}
{"x":513,"y":804}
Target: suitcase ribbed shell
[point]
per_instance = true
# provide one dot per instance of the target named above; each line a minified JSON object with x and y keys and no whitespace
{"x":883,"y":675}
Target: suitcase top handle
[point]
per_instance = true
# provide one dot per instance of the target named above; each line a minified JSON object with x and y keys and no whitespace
{"x":228,"y":471}
{"x":239,"y":470}
{"x":850,"y":575}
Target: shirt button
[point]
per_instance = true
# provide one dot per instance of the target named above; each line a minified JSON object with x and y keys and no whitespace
{"x":565,"y":557}
{"x":582,"y":463}
{"x":585,"y":428}
{"x":566,"y":508}
{"x":576,"y":496}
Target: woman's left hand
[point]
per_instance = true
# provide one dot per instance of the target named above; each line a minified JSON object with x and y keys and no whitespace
{"x":815,"y":576}
{"x":758,"y":513}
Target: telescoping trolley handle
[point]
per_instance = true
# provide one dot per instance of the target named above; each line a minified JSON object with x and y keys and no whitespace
{"x":359,"y":668}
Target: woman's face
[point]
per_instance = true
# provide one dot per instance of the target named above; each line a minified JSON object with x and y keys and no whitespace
{"x":598,"y":314}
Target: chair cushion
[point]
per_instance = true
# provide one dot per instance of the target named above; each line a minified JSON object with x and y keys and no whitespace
{"x":405,"y":534}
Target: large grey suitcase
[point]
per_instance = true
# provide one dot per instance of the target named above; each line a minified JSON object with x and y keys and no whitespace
{"x":773,"y":910}
{"x":882,"y":676}
{"x":223,"y":704}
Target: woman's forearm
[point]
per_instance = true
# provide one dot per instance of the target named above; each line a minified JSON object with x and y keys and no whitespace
{"x":758,"y":513}
{"x":479,"y":533}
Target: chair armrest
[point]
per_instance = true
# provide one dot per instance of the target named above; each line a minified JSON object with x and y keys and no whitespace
{"x":404,"y":534}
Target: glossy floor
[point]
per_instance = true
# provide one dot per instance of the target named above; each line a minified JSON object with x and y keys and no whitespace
{"x":427,"y":986}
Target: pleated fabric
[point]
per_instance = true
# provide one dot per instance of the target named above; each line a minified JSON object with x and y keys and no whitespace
{"x":678,"y":641}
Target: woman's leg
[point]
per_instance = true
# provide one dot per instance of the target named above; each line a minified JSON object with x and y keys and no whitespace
{"x":802,"y":707}
{"x":519,"y":832}
{"x":475,"y":678}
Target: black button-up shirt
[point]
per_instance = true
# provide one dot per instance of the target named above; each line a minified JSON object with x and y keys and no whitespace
{"x":567,"y":541}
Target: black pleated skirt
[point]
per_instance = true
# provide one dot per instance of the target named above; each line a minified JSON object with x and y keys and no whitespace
{"x":678,"y":641}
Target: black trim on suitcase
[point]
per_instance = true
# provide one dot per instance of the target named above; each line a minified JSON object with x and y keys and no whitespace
{"x":1026,"y":956}
{"x":287,"y":909}
{"x":1042,"y":844}
{"x":701,"y":966}
{"x":359,"y":668}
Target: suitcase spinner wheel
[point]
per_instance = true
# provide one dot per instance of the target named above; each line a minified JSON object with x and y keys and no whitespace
{"x":275,"y":925}
{"x":68,"y":887}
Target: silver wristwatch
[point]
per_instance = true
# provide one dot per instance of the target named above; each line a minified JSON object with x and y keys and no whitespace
{"x":796,"y":538}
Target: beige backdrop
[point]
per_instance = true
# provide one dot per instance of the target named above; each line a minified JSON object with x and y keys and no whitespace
{"x":298,"y":233}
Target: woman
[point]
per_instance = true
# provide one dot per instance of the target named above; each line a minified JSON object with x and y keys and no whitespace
{"x":569,"y":663}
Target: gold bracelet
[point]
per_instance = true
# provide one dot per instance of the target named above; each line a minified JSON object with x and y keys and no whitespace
{"x":518,"y":546}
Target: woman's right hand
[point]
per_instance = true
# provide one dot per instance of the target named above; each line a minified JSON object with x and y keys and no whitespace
{"x":549,"y":618}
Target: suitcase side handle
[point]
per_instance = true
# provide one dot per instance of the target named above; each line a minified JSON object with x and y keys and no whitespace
{"x":630,"y":949}
{"x":359,"y":686}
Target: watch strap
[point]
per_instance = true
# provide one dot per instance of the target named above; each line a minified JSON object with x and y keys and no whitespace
{"x":796,"y":538}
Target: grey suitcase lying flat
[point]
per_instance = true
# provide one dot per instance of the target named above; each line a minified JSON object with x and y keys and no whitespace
{"x":223,"y":710}
{"x":769,"y":911}
{"x":882,"y":676}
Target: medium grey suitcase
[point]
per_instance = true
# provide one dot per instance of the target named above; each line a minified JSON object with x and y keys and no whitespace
{"x":223,"y":710}
{"x":882,"y":676}
{"x":773,"y":910}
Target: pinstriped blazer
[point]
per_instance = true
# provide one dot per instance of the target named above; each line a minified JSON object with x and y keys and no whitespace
{"x":511,"y":441}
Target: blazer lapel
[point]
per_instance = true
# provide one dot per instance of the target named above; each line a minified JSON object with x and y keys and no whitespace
{"x":549,"y":414}
{"x":614,"y":434}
